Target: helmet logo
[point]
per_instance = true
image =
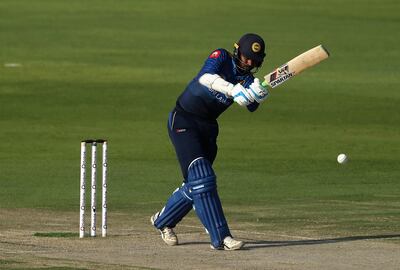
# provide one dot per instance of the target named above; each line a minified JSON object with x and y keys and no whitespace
{"x":256,"y":47}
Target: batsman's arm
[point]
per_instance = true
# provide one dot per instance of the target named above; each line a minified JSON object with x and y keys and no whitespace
{"x":241,"y":95}
{"x":214,"y":81}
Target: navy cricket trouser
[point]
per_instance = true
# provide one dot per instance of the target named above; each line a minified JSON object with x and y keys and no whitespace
{"x":192,"y":137}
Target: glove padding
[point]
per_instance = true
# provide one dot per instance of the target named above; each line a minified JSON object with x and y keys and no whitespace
{"x":241,"y":95}
{"x":257,"y":91}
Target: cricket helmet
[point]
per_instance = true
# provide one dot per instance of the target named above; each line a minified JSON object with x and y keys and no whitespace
{"x":251,"y":46}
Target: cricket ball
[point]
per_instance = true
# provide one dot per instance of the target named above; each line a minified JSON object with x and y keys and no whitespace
{"x":342,"y":158}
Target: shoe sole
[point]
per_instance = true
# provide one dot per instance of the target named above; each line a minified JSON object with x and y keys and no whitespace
{"x":237,"y":247}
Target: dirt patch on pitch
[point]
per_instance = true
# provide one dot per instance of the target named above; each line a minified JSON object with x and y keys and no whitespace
{"x":133,"y":244}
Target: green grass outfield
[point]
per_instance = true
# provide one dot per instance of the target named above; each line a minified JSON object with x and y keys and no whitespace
{"x":113,"y":69}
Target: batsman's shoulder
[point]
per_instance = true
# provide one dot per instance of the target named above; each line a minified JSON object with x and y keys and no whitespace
{"x":219,"y":53}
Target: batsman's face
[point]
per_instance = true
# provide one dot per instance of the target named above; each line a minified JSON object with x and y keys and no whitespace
{"x":247,"y":64}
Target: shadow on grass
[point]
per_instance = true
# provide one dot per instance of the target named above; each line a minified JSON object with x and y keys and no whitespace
{"x":194,"y":243}
{"x":56,"y":234}
{"x":253,"y":244}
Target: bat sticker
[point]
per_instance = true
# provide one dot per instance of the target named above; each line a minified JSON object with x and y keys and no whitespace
{"x":280,"y":75}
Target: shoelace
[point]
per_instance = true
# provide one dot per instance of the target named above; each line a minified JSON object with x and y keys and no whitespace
{"x":169,"y":232}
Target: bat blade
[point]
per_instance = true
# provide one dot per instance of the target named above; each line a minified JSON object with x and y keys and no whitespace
{"x":295,"y":66}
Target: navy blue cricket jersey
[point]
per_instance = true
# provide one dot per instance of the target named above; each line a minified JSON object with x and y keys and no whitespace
{"x":208,"y":103}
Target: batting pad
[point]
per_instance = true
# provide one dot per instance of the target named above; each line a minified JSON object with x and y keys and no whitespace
{"x":177,"y":206}
{"x":203,"y":191}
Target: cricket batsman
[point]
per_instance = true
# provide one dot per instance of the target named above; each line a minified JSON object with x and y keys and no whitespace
{"x":224,"y":79}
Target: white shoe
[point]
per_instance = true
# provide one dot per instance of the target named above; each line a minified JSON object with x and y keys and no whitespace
{"x":167,"y":234}
{"x":230,"y":244}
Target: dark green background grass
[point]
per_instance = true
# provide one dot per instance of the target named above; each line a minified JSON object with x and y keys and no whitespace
{"x":113,"y":69}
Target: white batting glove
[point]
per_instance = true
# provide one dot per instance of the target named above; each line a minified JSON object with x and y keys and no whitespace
{"x":241,"y":95}
{"x":257,"y":91}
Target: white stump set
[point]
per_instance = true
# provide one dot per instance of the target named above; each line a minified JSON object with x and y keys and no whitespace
{"x":93,"y":178}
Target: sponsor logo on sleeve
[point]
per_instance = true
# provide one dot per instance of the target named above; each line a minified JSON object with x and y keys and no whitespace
{"x":215,"y":54}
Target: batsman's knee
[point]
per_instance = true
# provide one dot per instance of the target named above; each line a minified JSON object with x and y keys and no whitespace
{"x":201,"y":177}
{"x":200,"y":169}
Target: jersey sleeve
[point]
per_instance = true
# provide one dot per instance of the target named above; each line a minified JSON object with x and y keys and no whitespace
{"x":214,"y":62}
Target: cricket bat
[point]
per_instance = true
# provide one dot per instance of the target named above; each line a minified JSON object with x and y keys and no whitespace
{"x":296,"y":66}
